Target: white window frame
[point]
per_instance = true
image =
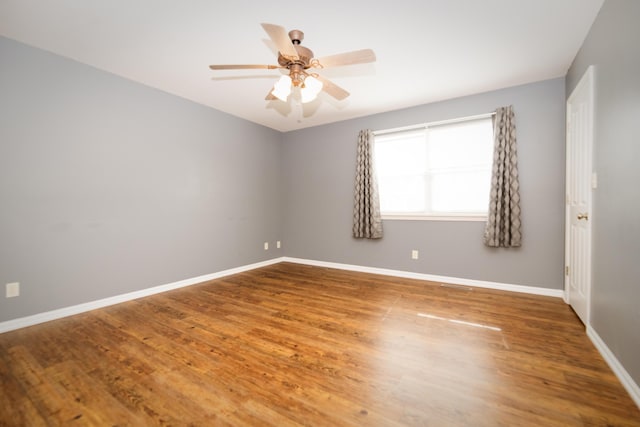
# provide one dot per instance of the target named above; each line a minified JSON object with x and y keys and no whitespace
{"x":471,"y":217}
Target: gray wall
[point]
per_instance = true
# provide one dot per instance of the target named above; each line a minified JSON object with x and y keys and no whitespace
{"x":612,"y":46}
{"x":319,"y":168}
{"x":108,"y":186}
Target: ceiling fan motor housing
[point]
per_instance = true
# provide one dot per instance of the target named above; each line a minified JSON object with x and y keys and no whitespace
{"x":305,"y":55}
{"x":304,"y":58}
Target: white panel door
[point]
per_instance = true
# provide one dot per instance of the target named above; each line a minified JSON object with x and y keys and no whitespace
{"x":579,"y":185}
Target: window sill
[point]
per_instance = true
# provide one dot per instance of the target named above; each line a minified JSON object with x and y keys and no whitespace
{"x":470,"y":218}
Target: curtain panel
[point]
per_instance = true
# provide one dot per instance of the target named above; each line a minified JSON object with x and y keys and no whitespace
{"x":503,"y":222}
{"x":367,"y":221}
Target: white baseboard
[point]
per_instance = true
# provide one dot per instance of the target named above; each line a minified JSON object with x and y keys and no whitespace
{"x":558,"y":293}
{"x":617,"y":368}
{"x":23,"y":322}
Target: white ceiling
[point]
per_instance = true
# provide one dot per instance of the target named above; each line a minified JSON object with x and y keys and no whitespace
{"x":427,"y":50}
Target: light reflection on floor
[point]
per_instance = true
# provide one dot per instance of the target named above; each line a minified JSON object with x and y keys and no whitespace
{"x":460,"y":322}
{"x":430,"y":361}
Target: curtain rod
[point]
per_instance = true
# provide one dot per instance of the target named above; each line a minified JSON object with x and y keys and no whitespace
{"x":432,"y":124}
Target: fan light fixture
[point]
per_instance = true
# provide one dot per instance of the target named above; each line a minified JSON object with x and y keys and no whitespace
{"x":309,"y":89}
{"x":282,"y":88}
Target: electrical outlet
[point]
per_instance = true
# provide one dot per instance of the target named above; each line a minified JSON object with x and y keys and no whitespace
{"x":414,"y":254}
{"x":266,"y":246}
{"x":13,"y":290}
{"x":278,"y":245}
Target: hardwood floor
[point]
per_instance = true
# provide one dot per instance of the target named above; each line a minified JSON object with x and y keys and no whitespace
{"x":290,"y":345}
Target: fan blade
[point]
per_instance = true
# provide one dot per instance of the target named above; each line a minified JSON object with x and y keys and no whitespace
{"x":243,"y":67}
{"x":280,"y":37}
{"x":348,"y":58}
{"x":332,"y":89}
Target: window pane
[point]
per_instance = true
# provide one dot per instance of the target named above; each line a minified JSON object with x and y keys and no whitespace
{"x":402,"y":194}
{"x":401,"y":154}
{"x":461,"y":145}
{"x":401,"y":167}
{"x":466,"y":192}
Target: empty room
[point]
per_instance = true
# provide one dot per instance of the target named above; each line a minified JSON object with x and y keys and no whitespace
{"x":410,"y":213}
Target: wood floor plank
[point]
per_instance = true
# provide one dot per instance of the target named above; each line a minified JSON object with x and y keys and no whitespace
{"x":295,"y":345}
{"x":14,"y":407}
{"x":89,"y":394}
{"x":51,"y":400}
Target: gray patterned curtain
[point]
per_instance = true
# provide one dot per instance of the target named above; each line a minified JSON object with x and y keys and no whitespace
{"x":367,"y":222}
{"x":503,"y":222}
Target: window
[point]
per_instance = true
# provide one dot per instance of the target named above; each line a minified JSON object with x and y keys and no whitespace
{"x":436,"y":171}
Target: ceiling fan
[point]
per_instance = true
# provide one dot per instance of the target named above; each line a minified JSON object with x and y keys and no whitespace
{"x":299,"y":60}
